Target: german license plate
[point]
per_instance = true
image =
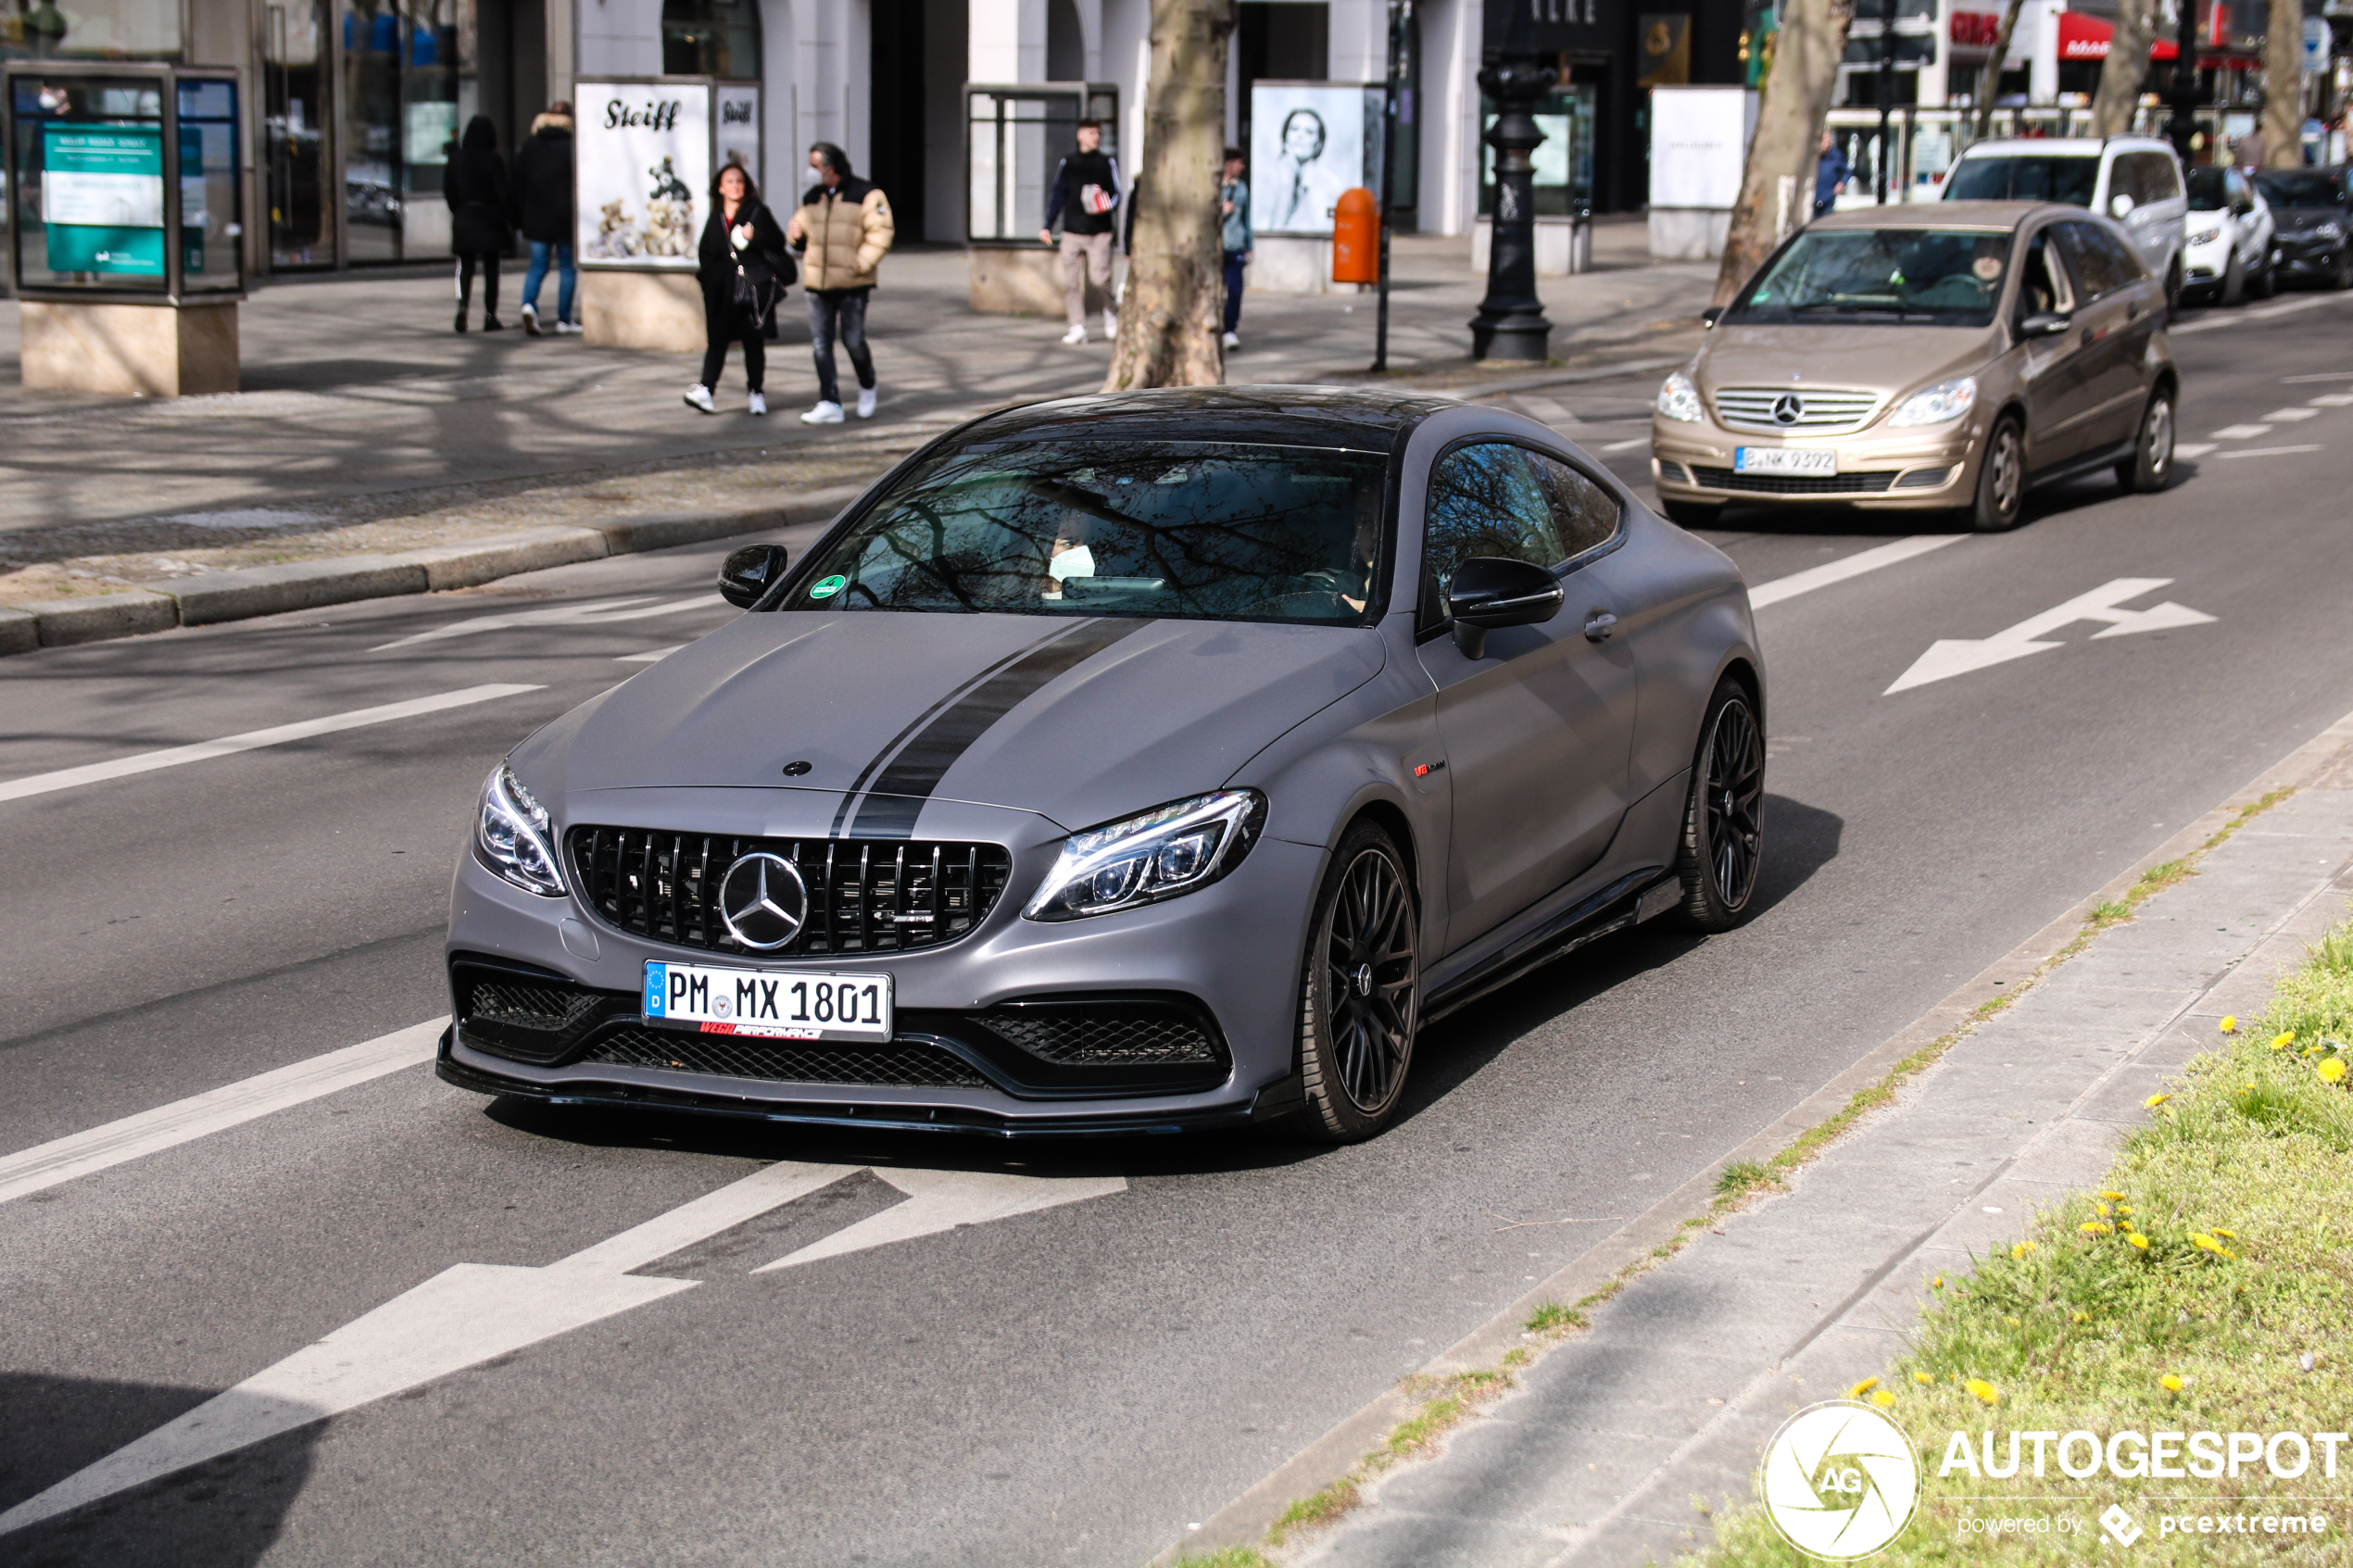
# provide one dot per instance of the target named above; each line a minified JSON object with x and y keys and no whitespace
{"x":795,"y":1006}
{"x":1784,"y":459}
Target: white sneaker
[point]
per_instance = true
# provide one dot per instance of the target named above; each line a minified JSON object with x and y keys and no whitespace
{"x":563,"y":327}
{"x":1233,"y":340}
{"x":1111,"y":325}
{"x":699,"y":398}
{"x":758,"y":404}
{"x":865,"y":402}
{"x":531,"y":320}
{"x":1075,"y":334}
{"x":823,"y":414}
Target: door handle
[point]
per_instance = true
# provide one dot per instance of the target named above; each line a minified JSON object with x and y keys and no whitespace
{"x":1599,"y":626}
{"x":2088,"y":337}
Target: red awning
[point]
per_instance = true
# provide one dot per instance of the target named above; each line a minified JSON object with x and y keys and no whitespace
{"x":2082,"y":37}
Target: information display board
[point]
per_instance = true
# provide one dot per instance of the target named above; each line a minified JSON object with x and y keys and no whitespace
{"x":102,"y":200}
{"x":1309,"y":141}
{"x":644,"y":157}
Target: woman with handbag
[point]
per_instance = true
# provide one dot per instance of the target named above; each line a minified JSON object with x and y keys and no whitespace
{"x":744,"y":270}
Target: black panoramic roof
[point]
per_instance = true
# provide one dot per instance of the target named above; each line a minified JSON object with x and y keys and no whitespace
{"x":1369,"y":419}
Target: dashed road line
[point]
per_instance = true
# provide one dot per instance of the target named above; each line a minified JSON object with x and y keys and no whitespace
{"x":1623,"y":445}
{"x":2333,"y":400}
{"x":597,"y":612}
{"x":2190,"y":451}
{"x":1839,"y":570}
{"x":2241,"y":432}
{"x":650,"y":655}
{"x":2289,"y":416}
{"x":2271,"y":451}
{"x":2237,"y":318}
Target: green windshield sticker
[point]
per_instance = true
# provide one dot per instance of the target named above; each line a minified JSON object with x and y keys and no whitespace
{"x":827,"y":587}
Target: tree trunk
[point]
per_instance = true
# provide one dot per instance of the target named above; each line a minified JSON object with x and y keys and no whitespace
{"x":1789,"y":134}
{"x":2126,"y":69}
{"x":1989,"y":75}
{"x":2283,"y":86}
{"x":1169,"y":318}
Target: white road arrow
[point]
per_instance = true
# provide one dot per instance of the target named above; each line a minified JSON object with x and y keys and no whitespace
{"x":1948,"y":657}
{"x":473,"y":1312}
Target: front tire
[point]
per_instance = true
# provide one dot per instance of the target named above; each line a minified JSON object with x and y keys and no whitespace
{"x":1723,"y":843}
{"x":2266,"y":283}
{"x":2001,"y":481}
{"x":2234,"y":281}
{"x":2150,"y":467}
{"x":1360,"y":992}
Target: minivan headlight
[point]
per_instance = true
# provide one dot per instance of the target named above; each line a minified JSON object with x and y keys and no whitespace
{"x":512,"y":835}
{"x":1935,"y":405}
{"x":1168,"y":850}
{"x":1679,"y":399}
{"x":2207,"y":235}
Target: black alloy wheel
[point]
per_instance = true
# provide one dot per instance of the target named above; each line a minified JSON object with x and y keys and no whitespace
{"x":1359,"y":999}
{"x":2001,"y":481}
{"x":1723,"y":846}
{"x":2150,"y":467}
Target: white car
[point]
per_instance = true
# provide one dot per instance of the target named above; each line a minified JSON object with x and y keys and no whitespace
{"x":2232,"y":248}
{"x":2135,"y":179}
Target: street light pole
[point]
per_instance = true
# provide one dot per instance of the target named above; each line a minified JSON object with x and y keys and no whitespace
{"x":1399,"y":10}
{"x":2184,"y":124}
{"x":1886,"y":91}
{"x":1510,"y":323}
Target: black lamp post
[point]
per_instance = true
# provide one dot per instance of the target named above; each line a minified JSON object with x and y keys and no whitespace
{"x":1510,"y":323}
{"x":2184,"y":124}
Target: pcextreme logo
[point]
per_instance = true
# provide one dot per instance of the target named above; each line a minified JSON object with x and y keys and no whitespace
{"x":1840,"y":1481}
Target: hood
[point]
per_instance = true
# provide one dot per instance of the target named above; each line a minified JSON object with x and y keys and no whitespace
{"x":1081,"y":721}
{"x":1889,"y":359}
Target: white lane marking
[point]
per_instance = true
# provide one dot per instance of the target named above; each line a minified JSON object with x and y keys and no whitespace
{"x":2324,"y":375}
{"x":2237,"y":317}
{"x":650,"y":655}
{"x":184,"y":1121}
{"x":1948,"y":657}
{"x":2188,"y":450}
{"x":2241,"y":432}
{"x":2271,"y":451}
{"x":597,"y":612}
{"x":1622,"y":446}
{"x":2289,"y":416}
{"x":2333,"y":399}
{"x":473,"y":1312}
{"x":1545,"y":411}
{"x":1839,"y":570}
{"x":252,"y":740}
{"x":943,"y":1199}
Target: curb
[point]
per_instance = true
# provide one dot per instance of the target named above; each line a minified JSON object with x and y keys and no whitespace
{"x":212,"y":598}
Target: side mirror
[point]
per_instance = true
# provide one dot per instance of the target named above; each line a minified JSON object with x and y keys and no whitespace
{"x":2044,"y":323}
{"x":1487,"y":592}
{"x":1711,"y":315}
{"x":749,"y":572}
{"x":2120,"y":205}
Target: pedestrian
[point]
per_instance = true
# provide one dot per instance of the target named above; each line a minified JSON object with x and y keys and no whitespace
{"x":543,"y":211}
{"x":843,"y":231}
{"x":1832,"y":172}
{"x":474,"y":183}
{"x":1234,"y":239}
{"x":743,"y":269}
{"x":1084,"y":195}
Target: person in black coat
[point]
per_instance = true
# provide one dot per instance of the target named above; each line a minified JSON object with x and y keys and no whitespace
{"x":743,"y":268}
{"x":542,"y":205}
{"x":474,"y":182}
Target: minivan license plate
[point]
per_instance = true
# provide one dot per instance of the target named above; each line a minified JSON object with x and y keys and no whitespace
{"x":795,"y":1006}
{"x":1784,"y":459}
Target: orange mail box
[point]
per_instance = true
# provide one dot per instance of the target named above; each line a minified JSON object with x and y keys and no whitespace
{"x":1357,"y":238}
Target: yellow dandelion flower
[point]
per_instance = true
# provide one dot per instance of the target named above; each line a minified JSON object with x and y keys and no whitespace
{"x":1985,"y":1392}
{"x":2285,"y":1038}
{"x":2124,"y":1208}
{"x":2230,"y":1023}
{"x":2156,"y":1100}
{"x":2104,"y":1210}
{"x":1862,"y":1388}
{"x":2169,"y":1383}
{"x":1923,"y":1377}
{"x":2332,"y":1070}
{"x":2096,"y":1227}
{"x":1937,"y":1283}
{"x":2232,"y":1235}
{"x":1883,"y":1399}
{"x":2137,"y":1239}
{"x":2112,"y":1196}
{"x":2203,"y":1242}
{"x":2021,"y":1250}
{"x":2314,"y":1050}
{"x":2083,"y":1317}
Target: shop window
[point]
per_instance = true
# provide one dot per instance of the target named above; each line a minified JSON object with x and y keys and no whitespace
{"x":91,"y":30}
{"x":710,"y":38}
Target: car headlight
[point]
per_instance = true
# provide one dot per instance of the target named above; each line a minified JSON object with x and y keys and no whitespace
{"x":2205,"y":236}
{"x":1935,"y":405}
{"x":1679,"y":399}
{"x":512,"y":835}
{"x":1158,"y":854}
{"x":2329,"y":231}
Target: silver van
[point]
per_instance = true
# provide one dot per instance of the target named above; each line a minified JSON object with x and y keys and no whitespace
{"x":2135,"y":179}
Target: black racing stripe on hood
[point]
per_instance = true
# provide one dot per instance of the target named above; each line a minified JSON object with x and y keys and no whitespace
{"x":897,"y":797}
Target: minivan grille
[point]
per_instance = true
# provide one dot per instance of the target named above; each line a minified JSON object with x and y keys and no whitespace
{"x":866,"y":895}
{"x":1815,"y":411}
{"x":1798,"y":484}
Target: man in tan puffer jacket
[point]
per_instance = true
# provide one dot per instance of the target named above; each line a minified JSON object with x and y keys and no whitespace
{"x":843,"y":231}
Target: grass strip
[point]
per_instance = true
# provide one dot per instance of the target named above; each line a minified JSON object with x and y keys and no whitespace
{"x":2204,"y":1289}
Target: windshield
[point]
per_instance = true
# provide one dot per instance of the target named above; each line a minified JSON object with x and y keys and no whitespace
{"x":2044,"y":179}
{"x":2295,"y":190}
{"x":2208,"y":191}
{"x":1946,"y":277}
{"x":1190,"y":530}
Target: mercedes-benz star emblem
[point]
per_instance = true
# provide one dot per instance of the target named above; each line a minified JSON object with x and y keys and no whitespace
{"x":1787,"y":408}
{"x":764,"y":900}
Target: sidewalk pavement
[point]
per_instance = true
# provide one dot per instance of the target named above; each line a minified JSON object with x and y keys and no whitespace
{"x":368,"y":426}
{"x":1624,"y":1441}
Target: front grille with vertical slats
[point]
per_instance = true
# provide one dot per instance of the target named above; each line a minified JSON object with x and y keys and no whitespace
{"x":1815,"y":411}
{"x":866,"y":895}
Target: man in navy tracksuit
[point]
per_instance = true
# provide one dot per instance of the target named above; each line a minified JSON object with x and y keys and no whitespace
{"x":1084,"y":195}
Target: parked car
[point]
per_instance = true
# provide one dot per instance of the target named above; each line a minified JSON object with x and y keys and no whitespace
{"x":1124,"y":763}
{"x":2135,"y":179}
{"x":2313,"y":209}
{"x":1946,"y":356}
{"x":2229,"y":247}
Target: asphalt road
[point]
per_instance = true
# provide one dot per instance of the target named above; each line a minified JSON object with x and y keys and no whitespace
{"x":1077,"y":1383}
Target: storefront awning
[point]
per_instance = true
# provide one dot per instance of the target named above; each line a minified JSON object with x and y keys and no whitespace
{"x":2083,"y":37}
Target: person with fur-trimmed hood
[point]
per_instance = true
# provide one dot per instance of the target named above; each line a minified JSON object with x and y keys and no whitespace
{"x":543,"y":211}
{"x":843,"y":231}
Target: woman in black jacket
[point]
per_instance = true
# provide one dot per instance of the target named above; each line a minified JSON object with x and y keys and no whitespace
{"x":743,"y":268}
{"x":474,"y":182}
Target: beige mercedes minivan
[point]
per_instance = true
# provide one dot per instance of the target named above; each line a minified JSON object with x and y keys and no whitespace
{"x":1950,"y":356}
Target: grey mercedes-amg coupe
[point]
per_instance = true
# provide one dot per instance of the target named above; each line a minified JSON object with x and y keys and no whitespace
{"x":1129,"y":763}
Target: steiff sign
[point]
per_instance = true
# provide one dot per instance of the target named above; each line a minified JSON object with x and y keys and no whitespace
{"x":644,"y":166}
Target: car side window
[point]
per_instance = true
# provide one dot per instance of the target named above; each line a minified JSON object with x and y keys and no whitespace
{"x":2159,"y":179}
{"x":2042,"y":281}
{"x":1485,"y":499}
{"x":1585,"y":516}
{"x":2093,"y":264}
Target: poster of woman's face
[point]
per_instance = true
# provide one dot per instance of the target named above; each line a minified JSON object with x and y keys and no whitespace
{"x":1307,"y":145}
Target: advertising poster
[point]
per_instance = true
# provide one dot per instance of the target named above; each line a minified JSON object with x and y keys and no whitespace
{"x":1309,"y":141}
{"x":644,"y":161}
{"x":739,"y":130}
{"x":102,"y":198}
